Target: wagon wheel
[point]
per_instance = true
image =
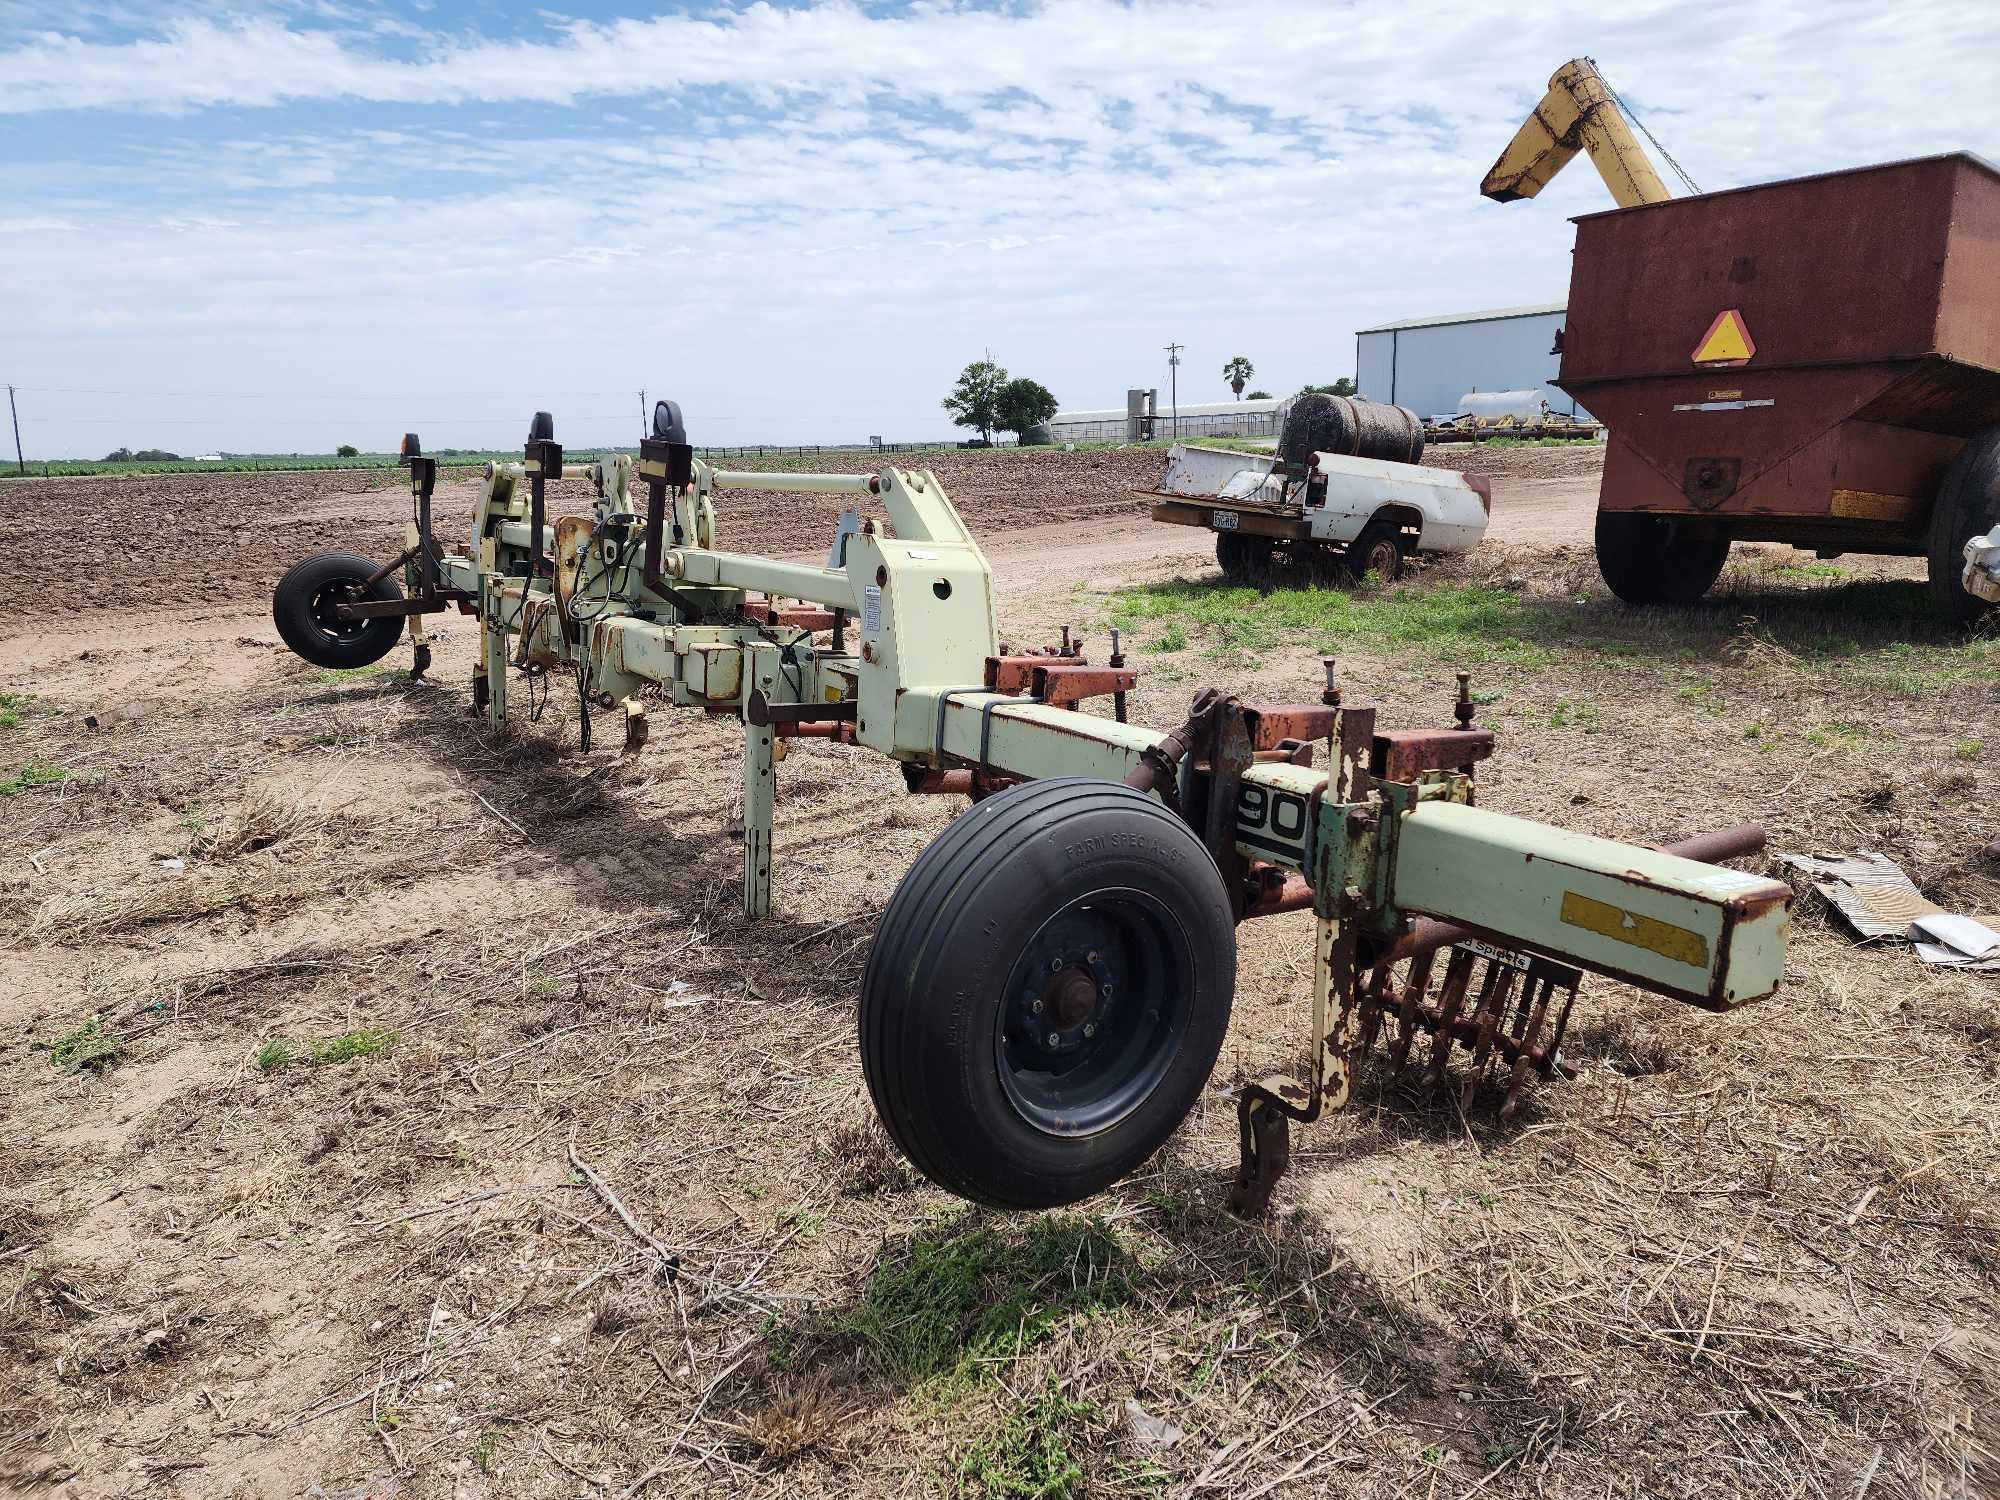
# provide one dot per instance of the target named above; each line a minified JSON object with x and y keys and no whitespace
{"x":1656,"y":559}
{"x":1968,"y":505}
{"x":1047,"y":992}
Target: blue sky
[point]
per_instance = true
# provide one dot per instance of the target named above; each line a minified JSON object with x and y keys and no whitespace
{"x":287,"y":226}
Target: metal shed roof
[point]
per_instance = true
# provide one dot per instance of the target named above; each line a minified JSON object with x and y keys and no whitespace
{"x":1491,"y":315}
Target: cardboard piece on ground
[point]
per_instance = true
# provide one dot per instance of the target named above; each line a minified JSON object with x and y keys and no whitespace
{"x":1877,"y":899}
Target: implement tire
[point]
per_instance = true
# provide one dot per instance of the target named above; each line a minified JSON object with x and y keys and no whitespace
{"x":1047,"y":993}
{"x":1967,"y":505}
{"x":1647,"y":559}
{"x":302,"y":608}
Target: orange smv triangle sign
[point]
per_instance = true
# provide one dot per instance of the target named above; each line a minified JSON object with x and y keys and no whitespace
{"x":1726,"y":343}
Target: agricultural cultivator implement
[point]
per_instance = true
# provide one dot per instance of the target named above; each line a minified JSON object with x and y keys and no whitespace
{"x":1049,"y":987}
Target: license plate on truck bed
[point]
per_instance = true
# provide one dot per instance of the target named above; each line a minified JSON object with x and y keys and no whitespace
{"x":1222,"y":520}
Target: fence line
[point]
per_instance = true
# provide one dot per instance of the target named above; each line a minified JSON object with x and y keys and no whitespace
{"x":1163,"y":425}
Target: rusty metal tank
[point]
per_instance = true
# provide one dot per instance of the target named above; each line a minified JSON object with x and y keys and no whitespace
{"x":1351,"y":426}
{"x":1798,"y":361}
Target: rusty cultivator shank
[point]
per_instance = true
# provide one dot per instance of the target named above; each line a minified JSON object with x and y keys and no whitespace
{"x":1048,"y":990}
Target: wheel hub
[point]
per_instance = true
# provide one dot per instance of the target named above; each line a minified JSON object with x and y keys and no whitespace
{"x":327,"y":601}
{"x":1073,"y":996}
{"x":1095,"y":1004}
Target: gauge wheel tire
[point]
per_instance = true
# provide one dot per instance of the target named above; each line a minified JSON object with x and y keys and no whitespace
{"x":302,"y":608}
{"x":1968,"y":505}
{"x":1243,"y":556}
{"x":1047,"y":993}
{"x":1647,"y":560}
{"x":1378,"y":550}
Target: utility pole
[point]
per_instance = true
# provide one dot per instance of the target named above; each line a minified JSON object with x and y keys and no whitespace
{"x":645,"y":424}
{"x":19,"y":462}
{"x":1174,"y":384}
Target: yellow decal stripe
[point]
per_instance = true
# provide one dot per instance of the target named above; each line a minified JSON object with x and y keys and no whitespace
{"x":1650,"y":933}
{"x":1868,"y":505}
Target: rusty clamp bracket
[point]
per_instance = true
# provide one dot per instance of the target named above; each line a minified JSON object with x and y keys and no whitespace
{"x":1159,"y":765}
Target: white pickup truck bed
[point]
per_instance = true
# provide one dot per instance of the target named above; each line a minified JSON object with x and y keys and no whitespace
{"x":1342,"y":506}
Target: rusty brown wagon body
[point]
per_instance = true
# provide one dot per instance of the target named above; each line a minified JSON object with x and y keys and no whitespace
{"x":1866,"y":354}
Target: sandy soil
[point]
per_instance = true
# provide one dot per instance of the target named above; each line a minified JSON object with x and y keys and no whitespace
{"x":382,"y":988}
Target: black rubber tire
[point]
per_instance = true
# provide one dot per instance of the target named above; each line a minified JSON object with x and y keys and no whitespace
{"x":1243,"y":556}
{"x":1967,"y":505}
{"x":1650,"y":560}
{"x":1379,"y":549}
{"x":300,"y":609}
{"x":942,"y":973}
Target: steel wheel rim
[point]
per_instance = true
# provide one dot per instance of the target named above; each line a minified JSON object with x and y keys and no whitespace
{"x":329,"y":596}
{"x":1381,"y":558}
{"x":1093,"y":1012}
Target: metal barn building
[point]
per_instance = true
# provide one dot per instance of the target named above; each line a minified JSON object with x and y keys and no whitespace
{"x":1426,"y":364}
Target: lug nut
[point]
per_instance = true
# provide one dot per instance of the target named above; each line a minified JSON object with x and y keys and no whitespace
{"x":1055,"y":964}
{"x":1035,"y":1007}
{"x":1054,"y":1040}
{"x":1091,"y":957}
{"x":1090,"y":1028}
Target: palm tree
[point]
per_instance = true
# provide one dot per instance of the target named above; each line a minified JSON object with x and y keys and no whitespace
{"x":1238,"y":372}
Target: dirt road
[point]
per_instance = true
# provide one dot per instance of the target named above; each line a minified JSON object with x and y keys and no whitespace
{"x":1526,"y":512}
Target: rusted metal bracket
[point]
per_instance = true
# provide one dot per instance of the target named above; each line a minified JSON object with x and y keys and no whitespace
{"x":1158,"y":769}
{"x":1405,"y":754}
{"x":1264,"y":1108}
{"x":812,"y":617}
{"x":1065,"y":686}
{"x":1222,"y":757}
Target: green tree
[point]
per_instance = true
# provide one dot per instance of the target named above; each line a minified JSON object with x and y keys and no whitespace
{"x":1238,"y":372}
{"x":975,"y":400}
{"x":1341,"y":387}
{"x":1022,"y":405}
{"x":1258,"y":396}
{"x":347,"y":450}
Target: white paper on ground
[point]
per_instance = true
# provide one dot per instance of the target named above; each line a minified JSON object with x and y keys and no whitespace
{"x":1960,"y":942}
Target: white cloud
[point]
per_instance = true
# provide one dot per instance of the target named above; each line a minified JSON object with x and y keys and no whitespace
{"x":864,"y":199}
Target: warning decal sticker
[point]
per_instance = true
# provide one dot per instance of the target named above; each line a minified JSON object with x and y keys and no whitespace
{"x":1726,"y":343}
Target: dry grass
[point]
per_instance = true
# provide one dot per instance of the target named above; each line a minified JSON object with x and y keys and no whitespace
{"x":1756,"y":1254}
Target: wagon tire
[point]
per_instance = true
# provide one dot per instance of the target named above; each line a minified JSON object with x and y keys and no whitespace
{"x":1647,"y":560}
{"x":1047,"y":993}
{"x":302,"y":608}
{"x":1967,"y":505}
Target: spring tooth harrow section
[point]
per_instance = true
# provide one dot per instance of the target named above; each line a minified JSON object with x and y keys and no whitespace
{"x":1048,"y":990}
